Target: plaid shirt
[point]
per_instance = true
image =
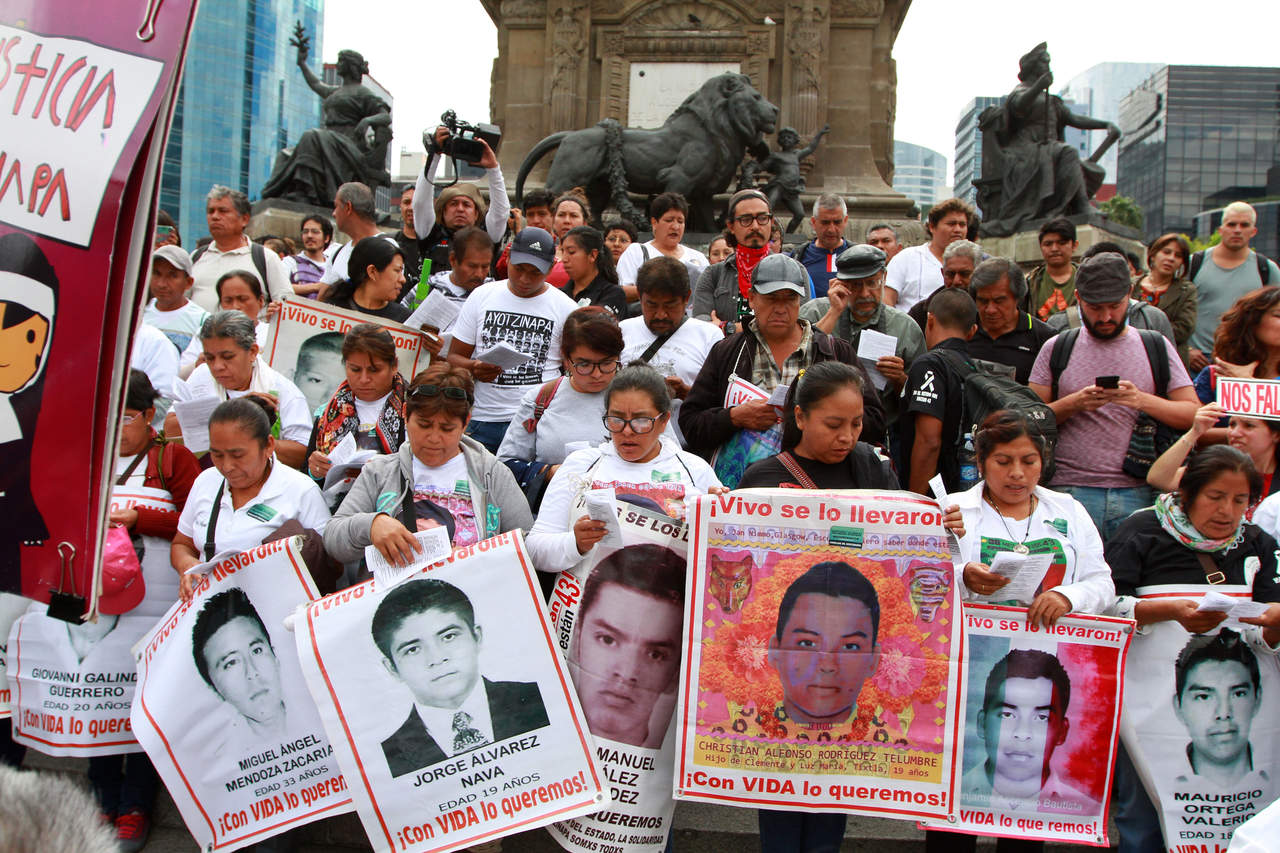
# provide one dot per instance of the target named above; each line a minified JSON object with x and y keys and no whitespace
{"x":767,"y":375}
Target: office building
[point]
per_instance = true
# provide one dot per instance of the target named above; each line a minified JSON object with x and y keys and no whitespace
{"x":1193,"y":132}
{"x":919,"y":173}
{"x":1097,"y":93}
{"x":969,"y":146}
{"x":242,"y":99}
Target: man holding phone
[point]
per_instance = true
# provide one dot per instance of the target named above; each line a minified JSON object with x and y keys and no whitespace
{"x":1095,"y":408}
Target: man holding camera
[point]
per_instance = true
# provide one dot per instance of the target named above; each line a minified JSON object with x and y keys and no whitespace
{"x":458,"y":206}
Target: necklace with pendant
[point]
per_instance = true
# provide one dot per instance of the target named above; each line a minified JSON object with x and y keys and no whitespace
{"x":1021,"y":547}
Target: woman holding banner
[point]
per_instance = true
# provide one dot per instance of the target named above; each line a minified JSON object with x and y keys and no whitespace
{"x":561,"y":415}
{"x":152,"y":483}
{"x":440,"y":477}
{"x":640,"y":464}
{"x":820,"y":429}
{"x":368,"y":405}
{"x":237,"y":290}
{"x":234,"y":369}
{"x":1195,"y":538}
{"x":247,"y":496}
{"x":376,"y":267}
{"x":1258,"y":438}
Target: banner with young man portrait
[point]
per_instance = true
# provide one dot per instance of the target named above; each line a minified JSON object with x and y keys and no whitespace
{"x":222,"y":710}
{"x":618,"y":617}
{"x":449,"y":709}
{"x":304,"y":344}
{"x":820,"y":670}
{"x":1041,"y":717}
{"x":1201,"y":723}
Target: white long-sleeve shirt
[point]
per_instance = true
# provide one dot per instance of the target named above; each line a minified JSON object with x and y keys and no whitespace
{"x":1086,"y":581}
{"x":424,"y":202}
{"x":663,"y":484}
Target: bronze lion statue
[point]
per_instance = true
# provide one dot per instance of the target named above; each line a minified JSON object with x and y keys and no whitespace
{"x":695,"y":153}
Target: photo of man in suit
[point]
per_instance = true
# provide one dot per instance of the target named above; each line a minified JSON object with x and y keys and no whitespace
{"x":824,"y":646}
{"x":430,"y":642}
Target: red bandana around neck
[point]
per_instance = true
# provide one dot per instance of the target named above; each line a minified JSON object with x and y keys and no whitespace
{"x":746,"y":259}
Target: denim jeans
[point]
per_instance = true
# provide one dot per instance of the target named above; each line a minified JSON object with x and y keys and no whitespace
{"x":1137,"y":822}
{"x":1109,"y":507}
{"x":488,"y":433}
{"x":124,"y":783}
{"x":800,"y":832}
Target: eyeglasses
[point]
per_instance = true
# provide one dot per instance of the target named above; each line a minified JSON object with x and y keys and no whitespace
{"x":606,"y":367}
{"x":639,"y":426}
{"x":759,"y":218}
{"x":127,"y":420}
{"x":448,"y":393}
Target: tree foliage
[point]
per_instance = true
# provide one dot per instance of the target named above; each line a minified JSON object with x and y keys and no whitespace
{"x":1122,"y":210}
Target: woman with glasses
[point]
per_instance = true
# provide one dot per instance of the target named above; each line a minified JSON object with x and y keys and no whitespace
{"x":593,"y":280}
{"x":564,"y":414}
{"x":368,"y":405}
{"x":440,"y":477}
{"x":642,"y":465}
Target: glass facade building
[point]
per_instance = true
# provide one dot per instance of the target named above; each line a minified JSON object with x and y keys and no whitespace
{"x":919,"y":173}
{"x":969,"y":146}
{"x":1193,"y":131}
{"x":242,"y":99}
{"x":1098,"y":93}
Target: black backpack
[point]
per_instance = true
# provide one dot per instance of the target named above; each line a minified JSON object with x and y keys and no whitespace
{"x":990,"y":387}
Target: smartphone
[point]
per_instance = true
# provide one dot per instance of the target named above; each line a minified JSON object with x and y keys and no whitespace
{"x":1107,"y":381}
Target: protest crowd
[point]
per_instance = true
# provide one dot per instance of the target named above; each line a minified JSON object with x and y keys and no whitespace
{"x":1075,"y":406}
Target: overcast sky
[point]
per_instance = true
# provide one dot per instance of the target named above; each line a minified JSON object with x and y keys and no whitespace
{"x":438,"y":54}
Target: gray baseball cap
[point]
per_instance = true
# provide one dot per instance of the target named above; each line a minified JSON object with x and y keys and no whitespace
{"x":534,"y":246}
{"x":1103,"y":279}
{"x":780,"y":272}
{"x":175,"y":255}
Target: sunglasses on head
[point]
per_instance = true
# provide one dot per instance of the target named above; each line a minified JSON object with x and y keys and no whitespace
{"x":449,"y":393}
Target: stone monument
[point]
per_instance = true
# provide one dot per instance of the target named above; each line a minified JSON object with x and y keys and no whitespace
{"x":1029,"y":173}
{"x":352,"y":145}
{"x":567,"y":64}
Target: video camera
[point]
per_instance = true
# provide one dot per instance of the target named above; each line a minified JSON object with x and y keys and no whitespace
{"x":464,"y":141}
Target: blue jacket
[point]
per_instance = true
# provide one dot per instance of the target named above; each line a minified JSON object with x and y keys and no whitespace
{"x":820,"y":263}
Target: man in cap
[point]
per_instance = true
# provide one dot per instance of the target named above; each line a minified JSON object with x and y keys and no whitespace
{"x":436,"y":218}
{"x":1098,"y":380}
{"x":522,"y":312}
{"x":169,"y":309}
{"x":854,"y":303}
{"x":771,"y":351}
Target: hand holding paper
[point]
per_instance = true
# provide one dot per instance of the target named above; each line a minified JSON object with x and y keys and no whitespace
{"x":1025,"y":573}
{"x":503,"y":355}
{"x":435,"y":547}
{"x":602,"y":505}
{"x":872,"y":345}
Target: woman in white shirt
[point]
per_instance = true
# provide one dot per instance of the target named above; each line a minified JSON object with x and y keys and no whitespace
{"x":238,"y":290}
{"x":640,"y":464}
{"x":667,"y":215}
{"x":564,"y":414}
{"x":1008,"y":511}
{"x":246,"y":496}
{"x":232,"y":368}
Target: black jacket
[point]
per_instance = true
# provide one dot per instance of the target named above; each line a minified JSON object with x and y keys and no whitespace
{"x":514,"y":708}
{"x":705,"y":421}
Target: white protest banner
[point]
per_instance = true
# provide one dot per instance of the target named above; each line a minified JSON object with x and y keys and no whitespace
{"x":1254,"y":398}
{"x":1201,"y":724}
{"x":820,"y":667}
{"x":222,"y":709}
{"x":11,"y":607}
{"x":1027,"y":773}
{"x":618,"y":618}
{"x":73,"y":684}
{"x":447,"y":704}
{"x":304,"y":344}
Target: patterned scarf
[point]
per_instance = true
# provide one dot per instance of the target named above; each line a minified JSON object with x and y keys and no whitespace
{"x":340,"y":418}
{"x":746,"y":259}
{"x":1176,"y":524}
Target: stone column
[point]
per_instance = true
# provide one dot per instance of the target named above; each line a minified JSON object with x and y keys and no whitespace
{"x":568,"y":35}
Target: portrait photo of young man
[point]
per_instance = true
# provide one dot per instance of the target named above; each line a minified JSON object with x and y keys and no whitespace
{"x":1218,"y":690}
{"x":430,"y":642}
{"x":234,"y":656}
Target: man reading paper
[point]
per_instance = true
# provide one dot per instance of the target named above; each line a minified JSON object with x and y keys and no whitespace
{"x":430,"y":642}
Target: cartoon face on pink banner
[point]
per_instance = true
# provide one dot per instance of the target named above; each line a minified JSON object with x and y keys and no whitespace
{"x":823,"y":661}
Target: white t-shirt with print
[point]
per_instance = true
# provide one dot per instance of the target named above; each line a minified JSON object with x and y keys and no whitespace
{"x":681,"y":355}
{"x":179,"y":325}
{"x":449,"y":488}
{"x":532,"y":326}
